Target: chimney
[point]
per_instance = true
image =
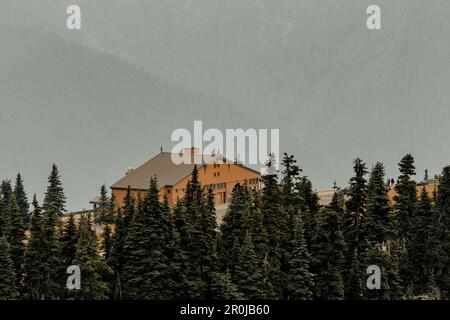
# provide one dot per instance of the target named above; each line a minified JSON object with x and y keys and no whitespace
{"x":129,"y":170}
{"x":191,"y":150}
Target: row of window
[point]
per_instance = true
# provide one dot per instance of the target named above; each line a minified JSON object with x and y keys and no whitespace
{"x":217,"y":186}
{"x":253,"y":181}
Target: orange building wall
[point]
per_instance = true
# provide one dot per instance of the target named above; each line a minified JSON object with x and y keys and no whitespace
{"x":230,"y":174}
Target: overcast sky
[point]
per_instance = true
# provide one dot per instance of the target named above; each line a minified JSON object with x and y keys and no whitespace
{"x":106,"y":97}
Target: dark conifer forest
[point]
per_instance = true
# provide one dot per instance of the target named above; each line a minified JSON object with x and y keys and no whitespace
{"x":275,"y":243}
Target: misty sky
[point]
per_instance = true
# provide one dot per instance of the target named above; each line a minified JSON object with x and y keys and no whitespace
{"x":106,"y":97}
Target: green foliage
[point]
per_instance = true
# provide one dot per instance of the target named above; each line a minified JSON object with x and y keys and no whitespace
{"x":15,"y":234}
{"x":35,"y":263}
{"x":93,"y":268}
{"x":299,"y":279}
{"x":8,"y":289}
{"x":222,"y":288}
{"x":21,"y":199}
{"x":328,"y":250}
{"x":246,"y":273}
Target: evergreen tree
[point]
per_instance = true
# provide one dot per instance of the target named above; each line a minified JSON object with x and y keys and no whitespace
{"x":107,"y":242}
{"x":35,"y":265}
{"x":353,"y":285}
{"x":236,"y":222}
{"x":15,"y":234}
{"x":274,"y":222}
{"x":5,"y":201}
{"x":91,"y":265}
{"x":146,"y":264}
{"x":300,"y":279}
{"x":6,"y":192}
{"x":55,"y":199}
{"x":68,"y":241}
{"x":419,"y":257}
{"x":22,"y":201}
{"x":443,"y":211}
{"x":246,"y":273}
{"x":328,"y":251}
{"x":406,"y":198}
{"x":8,"y":289}
{"x":222,"y":288}
{"x":406,"y":210}
{"x":378,"y":247}
{"x":309,"y":207}
{"x":378,"y":223}
{"x":356,"y":205}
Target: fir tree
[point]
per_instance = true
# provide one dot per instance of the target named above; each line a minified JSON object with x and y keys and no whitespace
{"x":309,"y":207}
{"x":356,"y":205}
{"x":55,"y":199}
{"x":328,"y":251}
{"x":8,"y":289}
{"x":222,"y":288}
{"x":107,"y":242}
{"x":68,"y":241}
{"x":92,"y":266}
{"x":353,"y":285}
{"x":443,"y":211}
{"x":246,"y":273}
{"x":146,"y":265}
{"x":5,"y":201}
{"x":406,"y":210}
{"x":35,"y":264}
{"x":406,"y":198}
{"x":378,"y":247}
{"x":22,"y":201}
{"x":300,"y":279}
{"x":236,"y":221}
{"x":275,"y":222}
{"x":15,"y":234}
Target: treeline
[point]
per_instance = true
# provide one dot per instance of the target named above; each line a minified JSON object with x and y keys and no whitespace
{"x":275,"y":243}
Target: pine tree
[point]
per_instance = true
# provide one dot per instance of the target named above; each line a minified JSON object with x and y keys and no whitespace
{"x":443,"y":211}
{"x":356,"y":205}
{"x":222,"y":288}
{"x":93,"y":268}
{"x":417,"y":247}
{"x":8,"y":289}
{"x":68,"y":241}
{"x":353,"y":285}
{"x":246,"y":273}
{"x":198,"y":235}
{"x":378,"y":247}
{"x":406,"y":198}
{"x":55,"y":199}
{"x":22,"y":201}
{"x":15,"y":234}
{"x":146,"y":265}
{"x":406,"y":210}
{"x":5,"y":201}
{"x":378,"y":223}
{"x":236,"y":221}
{"x":35,"y":264}
{"x":309,"y":207}
{"x":300,"y":279}
{"x":328,"y":250}
{"x":107,"y":242}
{"x":274,"y":222}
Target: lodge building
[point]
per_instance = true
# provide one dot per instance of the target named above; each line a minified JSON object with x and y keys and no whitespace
{"x":214,"y":171}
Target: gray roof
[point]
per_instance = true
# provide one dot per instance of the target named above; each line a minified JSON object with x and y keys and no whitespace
{"x":161,"y":166}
